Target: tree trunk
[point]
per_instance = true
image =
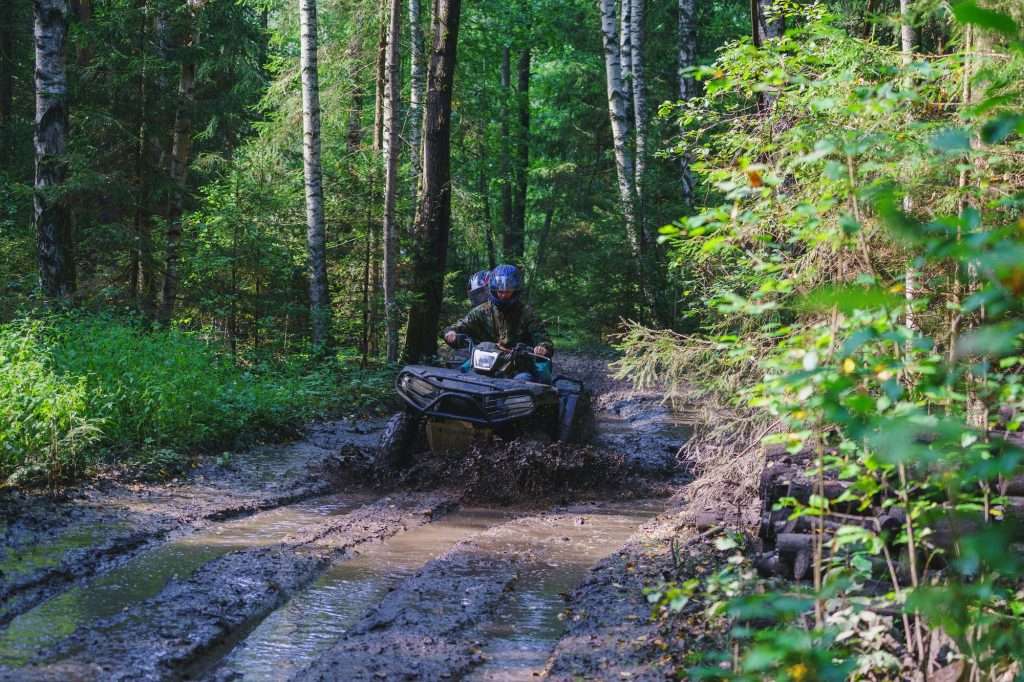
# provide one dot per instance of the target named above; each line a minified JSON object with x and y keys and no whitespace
{"x":53,"y":228}
{"x":515,"y":239}
{"x":378,"y":109}
{"x":181,"y":148}
{"x":391,"y":154}
{"x":319,"y":297}
{"x":417,"y":81}
{"x":82,"y":10}
{"x":433,"y":219}
{"x":505,"y":162}
{"x":617,"y":112}
{"x":626,"y":54}
{"x":483,"y":188}
{"x":636,"y":29}
{"x":7,"y":35}
{"x":763,"y":27}
{"x":907,"y":39}
{"x":687,"y":57}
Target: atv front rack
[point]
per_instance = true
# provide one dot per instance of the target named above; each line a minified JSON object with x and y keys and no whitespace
{"x":451,"y":394}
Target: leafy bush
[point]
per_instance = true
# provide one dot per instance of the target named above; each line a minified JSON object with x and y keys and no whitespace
{"x":72,"y":388}
{"x":864,"y":276}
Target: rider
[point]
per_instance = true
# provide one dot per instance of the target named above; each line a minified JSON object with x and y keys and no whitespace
{"x":504,"y":318}
{"x":477,"y":288}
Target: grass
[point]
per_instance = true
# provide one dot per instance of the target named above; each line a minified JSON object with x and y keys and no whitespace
{"x":79,"y":389}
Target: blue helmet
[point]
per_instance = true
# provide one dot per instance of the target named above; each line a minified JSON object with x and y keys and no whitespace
{"x":478,"y":287}
{"x":505,"y":278}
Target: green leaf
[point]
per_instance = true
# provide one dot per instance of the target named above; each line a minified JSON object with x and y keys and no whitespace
{"x":1001,"y":127}
{"x":968,"y":12}
{"x":952,"y":141}
{"x":850,"y":298}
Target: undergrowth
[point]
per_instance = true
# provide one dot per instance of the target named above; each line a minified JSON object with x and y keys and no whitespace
{"x":77,"y":391}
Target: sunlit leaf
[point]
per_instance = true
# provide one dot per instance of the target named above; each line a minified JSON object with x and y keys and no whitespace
{"x":968,"y":12}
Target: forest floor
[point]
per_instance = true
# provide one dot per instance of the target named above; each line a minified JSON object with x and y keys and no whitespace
{"x":298,"y":561}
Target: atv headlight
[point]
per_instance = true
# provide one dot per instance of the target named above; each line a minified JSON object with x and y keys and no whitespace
{"x":419,"y":390}
{"x":484,"y":359}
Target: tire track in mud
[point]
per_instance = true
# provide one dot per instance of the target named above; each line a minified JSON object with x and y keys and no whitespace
{"x":486,"y":609}
{"x":159,"y":637}
{"x":609,"y":634}
{"x":49,"y":543}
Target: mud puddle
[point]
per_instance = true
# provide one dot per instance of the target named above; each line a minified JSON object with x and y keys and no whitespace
{"x":147,"y":574}
{"x":557,"y":556}
{"x":318,"y":616}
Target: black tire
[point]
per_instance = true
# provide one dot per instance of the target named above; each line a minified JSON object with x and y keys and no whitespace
{"x":577,"y":419}
{"x":394,"y":451}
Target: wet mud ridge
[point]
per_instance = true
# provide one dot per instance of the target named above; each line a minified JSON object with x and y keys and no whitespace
{"x":517,"y":561}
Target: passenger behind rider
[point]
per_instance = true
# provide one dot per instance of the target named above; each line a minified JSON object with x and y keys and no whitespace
{"x":504,"y":318}
{"x":477,"y":288}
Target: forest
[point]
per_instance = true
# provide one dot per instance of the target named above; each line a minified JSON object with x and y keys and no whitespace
{"x":798,"y":223}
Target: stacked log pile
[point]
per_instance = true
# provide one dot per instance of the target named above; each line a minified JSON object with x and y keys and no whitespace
{"x":788,"y":545}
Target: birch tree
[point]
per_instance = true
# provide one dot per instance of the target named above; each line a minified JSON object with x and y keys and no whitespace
{"x":319,"y":298}
{"x":907,"y":40}
{"x":51,"y":215}
{"x":618,"y":99}
{"x":417,"y":81}
{"x":433,"y":216}
{"x":391,"y":154}
{"x":765,"y":26}
{"x":636,"y":41}
{"x":686,"y":39}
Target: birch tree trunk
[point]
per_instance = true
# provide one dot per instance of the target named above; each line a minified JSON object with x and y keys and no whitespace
{"x":686,"y":58}
{"x":617,"y":112}
{"x":765,"y":28}
{"x":515,"y":242}
{"x":181,"y":152}
{"x":907,"y":40}
{"x":433,"y":218}
{"x":417,"y":81}
{"x":626,"y":54}
{"x":51,"y":215}
{"x":319,"y":298}
{"x":391,"y":154}
{"x":636,"y":29}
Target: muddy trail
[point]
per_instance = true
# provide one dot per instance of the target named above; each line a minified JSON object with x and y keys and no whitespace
{"x":299,"y":561}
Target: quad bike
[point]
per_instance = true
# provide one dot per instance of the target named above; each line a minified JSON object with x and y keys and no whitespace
{"x":449,"y":408}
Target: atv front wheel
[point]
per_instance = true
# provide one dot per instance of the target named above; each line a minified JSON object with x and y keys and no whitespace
{"x":394,"y":451}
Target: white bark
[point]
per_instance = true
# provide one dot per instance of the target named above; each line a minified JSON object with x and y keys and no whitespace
{"x":617,"y":102}
{"x":636,"y":28}
{"x":391,"y":154}
{"x":417,"y":82}
{"x":626,"y":54}
{"x":686,"y":58}
{"x":907,"y":39}
{"x":52,"y":223}
{"x":319,"y":299}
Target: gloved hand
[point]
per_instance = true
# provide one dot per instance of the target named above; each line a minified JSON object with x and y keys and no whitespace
{"x":540,"y":350}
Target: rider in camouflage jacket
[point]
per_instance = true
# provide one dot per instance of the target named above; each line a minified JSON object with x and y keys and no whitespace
{"x":517,"y":323}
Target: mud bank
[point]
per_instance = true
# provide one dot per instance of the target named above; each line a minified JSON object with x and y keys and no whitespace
{"x":49,"y":541}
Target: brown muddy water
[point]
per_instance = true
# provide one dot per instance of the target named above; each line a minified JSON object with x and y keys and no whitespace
{"x":144,"y":576}
{"x":287,"y":640}
{"x":559,"y":555}
{"x":556,"y":549}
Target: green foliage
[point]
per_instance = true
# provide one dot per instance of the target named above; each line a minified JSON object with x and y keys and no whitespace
{"x":864,"y":251}
{"x":74,"y":388}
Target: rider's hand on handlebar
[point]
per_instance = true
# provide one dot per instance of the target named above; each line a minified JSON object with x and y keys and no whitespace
{"x":540,"y":350}
{"x":450,"y":338}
